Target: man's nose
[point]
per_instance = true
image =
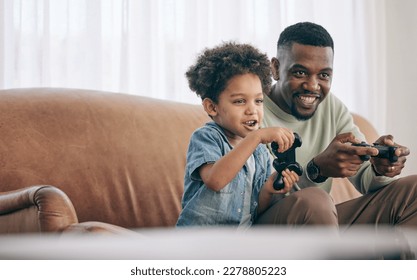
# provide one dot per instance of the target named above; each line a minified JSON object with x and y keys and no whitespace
{"x":312,"y":84}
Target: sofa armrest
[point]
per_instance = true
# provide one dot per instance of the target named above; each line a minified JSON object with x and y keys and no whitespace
{"x":94,"y":227}
{"x":36,"y":209}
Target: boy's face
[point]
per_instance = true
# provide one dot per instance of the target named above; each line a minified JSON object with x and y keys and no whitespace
{"x":239,"y":110}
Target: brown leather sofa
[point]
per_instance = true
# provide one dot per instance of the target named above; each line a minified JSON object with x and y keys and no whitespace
{"x":81,"y":160}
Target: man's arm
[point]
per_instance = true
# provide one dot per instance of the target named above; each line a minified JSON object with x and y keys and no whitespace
{"x":340,"y":158}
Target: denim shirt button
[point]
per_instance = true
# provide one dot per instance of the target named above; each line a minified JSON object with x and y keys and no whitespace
{"x":239,"y":210}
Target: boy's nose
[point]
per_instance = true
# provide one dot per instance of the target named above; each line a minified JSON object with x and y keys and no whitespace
{"x":251,"y":109}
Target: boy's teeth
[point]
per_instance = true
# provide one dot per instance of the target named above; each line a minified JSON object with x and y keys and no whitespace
{"x":250,"y":123}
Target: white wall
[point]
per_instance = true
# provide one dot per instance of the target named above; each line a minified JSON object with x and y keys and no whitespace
{"x":401,"y":79}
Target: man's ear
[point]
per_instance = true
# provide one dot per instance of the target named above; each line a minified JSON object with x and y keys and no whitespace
{"x":275,"y":68}
{"x":210,"y":107}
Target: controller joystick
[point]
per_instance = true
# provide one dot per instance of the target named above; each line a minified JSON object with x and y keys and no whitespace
{"x":286,"y":160}
{"x":383,"y":151}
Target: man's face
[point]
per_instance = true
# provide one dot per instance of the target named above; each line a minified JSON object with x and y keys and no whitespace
{"x":304,"y":76}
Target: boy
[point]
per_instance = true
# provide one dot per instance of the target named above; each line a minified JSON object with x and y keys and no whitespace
{"x":228,"y":177}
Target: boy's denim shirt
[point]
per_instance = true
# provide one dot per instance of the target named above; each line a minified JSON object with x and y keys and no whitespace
{"x":203,"y":206}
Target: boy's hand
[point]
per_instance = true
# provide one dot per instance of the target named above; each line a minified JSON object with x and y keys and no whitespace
{"x":289,"y":178}
{"x":283,"y":136}
{"x":265,"y":195}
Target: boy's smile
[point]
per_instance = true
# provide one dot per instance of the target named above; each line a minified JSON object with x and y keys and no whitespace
{"x":239,"y":110}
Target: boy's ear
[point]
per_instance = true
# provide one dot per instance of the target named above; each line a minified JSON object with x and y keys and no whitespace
{"x":210,"y":107}
{"x":275,"y":68}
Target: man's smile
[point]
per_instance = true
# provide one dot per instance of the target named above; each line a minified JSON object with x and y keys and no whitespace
{"x":307,"y":100}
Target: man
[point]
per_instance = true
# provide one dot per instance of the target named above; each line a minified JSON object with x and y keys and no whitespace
{"x":301,"y":100}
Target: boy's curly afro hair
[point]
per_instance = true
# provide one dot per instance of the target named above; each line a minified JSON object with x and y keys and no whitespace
{"x":209,"y":76}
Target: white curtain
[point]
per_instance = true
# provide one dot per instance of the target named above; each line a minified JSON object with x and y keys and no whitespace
{"x":144,"y":46}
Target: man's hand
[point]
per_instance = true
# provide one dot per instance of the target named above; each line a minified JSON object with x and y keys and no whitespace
{"x":341,"y":159}
{"x":383,"y":166}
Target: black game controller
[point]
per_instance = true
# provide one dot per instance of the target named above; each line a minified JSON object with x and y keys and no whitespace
{"x":384,"y":151}
{"x":286,"y":160}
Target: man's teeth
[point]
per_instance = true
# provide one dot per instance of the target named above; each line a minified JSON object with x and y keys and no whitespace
{"x":308,"y":99}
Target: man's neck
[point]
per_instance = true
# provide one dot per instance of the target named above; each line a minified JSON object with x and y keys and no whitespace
{"x":276,"y":97}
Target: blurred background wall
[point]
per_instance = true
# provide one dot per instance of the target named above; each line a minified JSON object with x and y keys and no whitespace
{"x":144,"y":47}
{"x":401,"y":78}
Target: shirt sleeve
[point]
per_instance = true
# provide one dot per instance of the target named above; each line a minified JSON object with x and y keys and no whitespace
{"x":206,"y":146}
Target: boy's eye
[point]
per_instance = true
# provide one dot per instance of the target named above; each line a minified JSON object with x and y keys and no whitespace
{"x":259,"y":101}
{"x":239,"y":101}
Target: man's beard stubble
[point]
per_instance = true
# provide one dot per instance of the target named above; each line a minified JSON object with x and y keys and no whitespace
{"x":298,"y":116}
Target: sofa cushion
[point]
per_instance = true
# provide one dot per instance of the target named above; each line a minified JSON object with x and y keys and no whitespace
{"x":120,"y":158}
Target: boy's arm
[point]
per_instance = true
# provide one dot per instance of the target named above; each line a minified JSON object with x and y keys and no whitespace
{"x":265,"y":196}
{"x":217,"y":175}
{"x":267,"y":190}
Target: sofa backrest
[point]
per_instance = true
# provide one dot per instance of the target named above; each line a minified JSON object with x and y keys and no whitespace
{"x":120,"y":158}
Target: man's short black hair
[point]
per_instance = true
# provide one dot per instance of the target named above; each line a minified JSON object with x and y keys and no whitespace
{"x":305,"y":33}
{"x":209,"y":76}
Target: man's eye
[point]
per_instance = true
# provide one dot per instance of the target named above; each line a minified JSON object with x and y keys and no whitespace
{"x":325,"y":76}
{"x":299,"y":73}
